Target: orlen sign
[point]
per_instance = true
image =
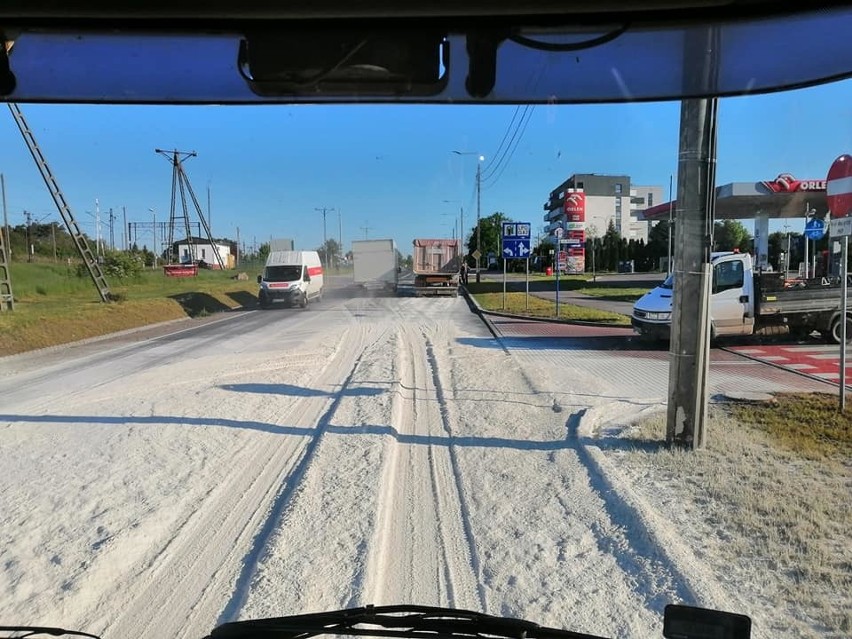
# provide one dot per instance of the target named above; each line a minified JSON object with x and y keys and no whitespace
{"x":575,"y":217}
{"x":786,"y":183}
{"x":575,"y":206}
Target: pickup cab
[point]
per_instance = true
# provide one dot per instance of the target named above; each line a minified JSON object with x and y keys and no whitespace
{"x":744,"y":302}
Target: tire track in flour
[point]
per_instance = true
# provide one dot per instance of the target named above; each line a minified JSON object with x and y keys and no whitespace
{"x":422,"y":550}
{"x":213,"y":556}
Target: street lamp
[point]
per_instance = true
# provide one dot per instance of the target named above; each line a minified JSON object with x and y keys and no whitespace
{"x":480,"y":159}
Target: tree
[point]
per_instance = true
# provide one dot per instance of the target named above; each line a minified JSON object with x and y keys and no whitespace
{"x":657,"y":247}
{"x":490,"y":230}
{"x":263,"y":252}
{"x":729,"y":235}
{"x":611,"y":248}
{"x":330,"y":252}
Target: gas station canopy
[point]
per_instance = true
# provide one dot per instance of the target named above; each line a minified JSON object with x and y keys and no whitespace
{"x":783,"y":197}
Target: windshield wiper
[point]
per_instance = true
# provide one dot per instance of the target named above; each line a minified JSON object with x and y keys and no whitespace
{"x":18,"y":632}
{"x":419,"y":622}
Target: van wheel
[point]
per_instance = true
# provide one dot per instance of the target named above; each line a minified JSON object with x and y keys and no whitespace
{"x":835,"y":329}
{"x":304,"y":302}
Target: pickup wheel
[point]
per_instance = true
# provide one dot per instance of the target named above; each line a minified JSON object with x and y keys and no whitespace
{"x":834,"y":335}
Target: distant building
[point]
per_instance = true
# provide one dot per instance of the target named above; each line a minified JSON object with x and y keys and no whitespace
{"x":608,"y":198}
{"x":204,"y":251}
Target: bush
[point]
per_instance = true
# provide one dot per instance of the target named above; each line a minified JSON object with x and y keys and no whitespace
{"x":116,"y":264}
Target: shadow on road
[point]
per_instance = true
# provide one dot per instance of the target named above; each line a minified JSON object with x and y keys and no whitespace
{"x":590,"y":343}
{"x":299,"y":391}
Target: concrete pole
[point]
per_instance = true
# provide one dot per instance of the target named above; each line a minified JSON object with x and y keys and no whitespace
{"x":689,"y":349}
{"x":478,"y":223}
{"x":6,"y":219}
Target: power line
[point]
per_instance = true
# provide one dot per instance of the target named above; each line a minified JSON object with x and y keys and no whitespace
{"x":505,"y":135}
{"x":496,"y":175}
{"x":516,"y":138}
{"x":496,"y":165}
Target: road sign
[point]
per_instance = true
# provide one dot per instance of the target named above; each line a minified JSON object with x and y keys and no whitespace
{"x":838,"y":188}
{"x":841,"y":227}
{"x":516,"y":240}
{"x":516,"y":249}
{"x":558,"y":233}
{"x":814,"y":229}
{"x":476,"y":254}
{"x":516,"y":230}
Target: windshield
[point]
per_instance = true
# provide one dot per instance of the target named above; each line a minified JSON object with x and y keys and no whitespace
{"x":289,"y":273}
{"x":459,"y":405}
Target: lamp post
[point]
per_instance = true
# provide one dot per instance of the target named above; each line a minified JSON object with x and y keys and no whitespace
{"x":480,"y":159}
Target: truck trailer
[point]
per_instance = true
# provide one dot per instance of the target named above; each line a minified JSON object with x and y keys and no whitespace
{"x":375,"y":264}
{"x":436,"y":267}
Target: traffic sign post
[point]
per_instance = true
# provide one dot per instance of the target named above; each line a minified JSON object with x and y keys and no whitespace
{"x":838,"y":191}
{"x":516,"y":238}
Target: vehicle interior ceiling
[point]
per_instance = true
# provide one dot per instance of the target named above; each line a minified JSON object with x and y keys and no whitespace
{"x":443,"y":51}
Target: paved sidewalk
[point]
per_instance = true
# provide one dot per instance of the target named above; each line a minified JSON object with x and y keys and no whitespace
{"x":620,"y":366}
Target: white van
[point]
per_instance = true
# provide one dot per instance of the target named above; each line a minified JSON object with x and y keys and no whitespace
{"x":292,"y":278}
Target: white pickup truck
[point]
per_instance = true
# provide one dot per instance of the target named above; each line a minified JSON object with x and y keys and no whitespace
{"x":744,"y":302}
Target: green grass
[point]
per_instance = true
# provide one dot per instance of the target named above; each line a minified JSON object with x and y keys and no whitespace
{"x":55,"y":306}
{"x":614,"y":294}
{"x":762,"y":502}
{"x":808,"y":424}
{"x":516,"y":303}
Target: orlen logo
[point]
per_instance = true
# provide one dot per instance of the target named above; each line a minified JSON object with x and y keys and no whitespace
{"x":575,"y":202}
{"x":786,"y":183}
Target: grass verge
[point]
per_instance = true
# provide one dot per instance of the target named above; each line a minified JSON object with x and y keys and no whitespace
{"x":614,"y":294}
{"x":809,"y":424}
{"x":516,"y":303}
{"x":764,"y":506}
{"x":54,"y":306}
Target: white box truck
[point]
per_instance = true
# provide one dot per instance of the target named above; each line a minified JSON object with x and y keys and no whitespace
{"x":375,"y":264}
{"x":291,"y":278}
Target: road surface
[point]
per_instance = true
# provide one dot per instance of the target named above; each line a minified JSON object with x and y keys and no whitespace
{"x":365,"y":450}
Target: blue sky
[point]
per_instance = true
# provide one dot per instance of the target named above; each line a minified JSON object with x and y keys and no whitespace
{"x":389,"y":168}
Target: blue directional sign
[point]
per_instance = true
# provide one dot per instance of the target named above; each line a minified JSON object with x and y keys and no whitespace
{"x":516,"y":249}
{"x":516,"y":240}
{"x":814,"y":228}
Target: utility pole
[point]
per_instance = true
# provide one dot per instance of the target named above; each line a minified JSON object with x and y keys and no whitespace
{"x":366,"y":230}
{"x":7,"y":298}
{"x":111,"y":230}
{"x":340,"y":230}
{"x":6,"y":218}
{"x":125,"y":231}
{"x":689,"y":350}
{"x":154,"y":226}
{"x":53,"y":234}
{"x":238,"y":246}
{"x":462,"y":251}
{"x":478,"y":224}
{"x":29,"y":243}
{"x":325,"y":211}
{"x":97,"y":228}
{"x":671,"y":219}
{"x":209,"y":212}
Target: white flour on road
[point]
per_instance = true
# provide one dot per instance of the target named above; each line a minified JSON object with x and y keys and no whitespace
{"x":363,"y":451}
